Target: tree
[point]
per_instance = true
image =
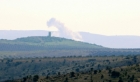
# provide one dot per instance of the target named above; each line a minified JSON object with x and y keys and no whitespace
{"x":47,"y":77}
{"x":102,"y":76}
{"x":120,"y":80}
{"x":91,"y":78}
{"x":115,"y":74}
{"x":132,"y":78}
{"x":91,"y":69}
{"x":95,"y":71}
{"x":72,"y":74}
{"x":77,"y":69}
{"x":99,"y":71}
{"x":135,"y":59}
{"x":58,"y":73}
{"x":24,"y":79}
{"x":35,"y":78}
{"x":66,"y":80}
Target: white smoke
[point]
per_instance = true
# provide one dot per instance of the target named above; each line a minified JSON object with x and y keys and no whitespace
{"x":63,"y":31}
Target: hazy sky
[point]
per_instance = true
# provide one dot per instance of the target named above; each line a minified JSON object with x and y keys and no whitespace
{"x":108,"y":17}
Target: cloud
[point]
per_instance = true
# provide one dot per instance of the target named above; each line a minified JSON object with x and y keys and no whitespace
{"x":64,"y":31}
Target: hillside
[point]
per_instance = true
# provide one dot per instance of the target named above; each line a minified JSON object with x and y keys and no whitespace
{"x":119,"y":74}
{"x":43,"y":46}
{"x":72,"y":69}
{"x":43,"y":43}
{"x":119,"y":41}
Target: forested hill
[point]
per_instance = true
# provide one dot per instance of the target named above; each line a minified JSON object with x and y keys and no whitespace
{"x":43,"y":43}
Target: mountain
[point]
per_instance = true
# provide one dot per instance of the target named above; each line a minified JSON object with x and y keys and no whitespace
{"x":112,"y":41}
{"x":107,"y":41}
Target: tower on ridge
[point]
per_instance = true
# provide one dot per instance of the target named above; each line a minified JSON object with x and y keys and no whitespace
{"x":49,"y":34}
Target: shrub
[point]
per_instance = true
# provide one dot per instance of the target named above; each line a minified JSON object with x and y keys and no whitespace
{"x":35,"y":78}
{"x":115,"y":74}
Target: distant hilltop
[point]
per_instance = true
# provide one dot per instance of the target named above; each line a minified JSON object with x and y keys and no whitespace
{"x":107,"y":41}
{"x":43,"y":43}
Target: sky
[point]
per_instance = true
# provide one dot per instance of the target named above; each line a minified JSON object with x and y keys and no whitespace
{"x":106,"y":17}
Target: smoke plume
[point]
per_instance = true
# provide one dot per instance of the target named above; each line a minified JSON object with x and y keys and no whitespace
{"x":63,"y":31}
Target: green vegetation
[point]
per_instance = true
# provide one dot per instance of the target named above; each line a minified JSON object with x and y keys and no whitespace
{"x":118,"y":74}
{"x":39,"y":46}
{"x":70,"y":68}
{"x":43,"y":43}
{"x":53,"y":59}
